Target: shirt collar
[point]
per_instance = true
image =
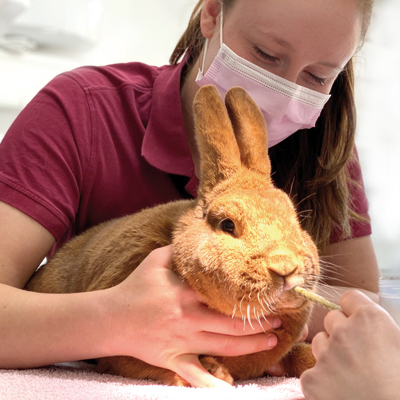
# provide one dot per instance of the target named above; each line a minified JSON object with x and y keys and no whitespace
{"x":165,"y":144}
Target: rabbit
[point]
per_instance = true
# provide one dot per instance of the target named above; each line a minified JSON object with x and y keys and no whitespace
{"x":239,"y":244}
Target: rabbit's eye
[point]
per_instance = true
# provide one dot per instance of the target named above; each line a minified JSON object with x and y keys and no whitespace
{"x":228,"y":226}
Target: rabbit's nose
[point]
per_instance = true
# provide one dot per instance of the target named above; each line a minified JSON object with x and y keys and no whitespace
{"x":284,"y":266}
{"x":283,"y":262}
{"x":292,"y":280}
{"x":288,"y":281}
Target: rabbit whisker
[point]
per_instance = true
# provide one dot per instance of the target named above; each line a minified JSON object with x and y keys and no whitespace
{"x":269,"y":306}
{"x":251,"y":291}
{"x":234,"y":310}
{"x":248,"y":316}
{"x":244,"y":321}
{"x":327,"y":289}
{"x":260,"y":302}
{"x":273,"y":304}
{"x":266,"y":319}
{"x":262,"y":306}
{"x":259,"y":320}
{"x":331,"y":270}
{"x":240,"y":306}
{"x":341,"y":281}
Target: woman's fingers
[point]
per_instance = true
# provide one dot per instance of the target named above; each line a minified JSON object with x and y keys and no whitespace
{"x":333,"y":319}
{"x":212,"y":321}
{"x":189,"y":367}
{"x":353,"y":300}
{"x":232,"y":346}
{"x":319,"y":344}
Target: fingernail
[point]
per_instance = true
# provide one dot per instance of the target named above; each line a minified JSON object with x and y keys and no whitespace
{"x":223,"y":385}
{"x":272,"y":341}
{"x":277,"y":323}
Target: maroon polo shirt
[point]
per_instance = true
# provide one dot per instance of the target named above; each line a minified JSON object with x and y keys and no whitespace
{"x":102,"y":142}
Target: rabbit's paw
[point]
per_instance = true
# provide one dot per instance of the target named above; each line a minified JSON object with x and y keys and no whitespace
{"x":172,"y":379}
{"x":298,"y":360}
{"x":217,"y":369}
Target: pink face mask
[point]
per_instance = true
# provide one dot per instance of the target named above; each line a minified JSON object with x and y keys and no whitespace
{"x":286,"y":106}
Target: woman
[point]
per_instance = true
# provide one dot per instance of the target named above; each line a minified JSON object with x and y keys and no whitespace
{"x":98,"y":143}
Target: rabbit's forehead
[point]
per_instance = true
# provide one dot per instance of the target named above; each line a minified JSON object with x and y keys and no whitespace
{"x":261,"y":205}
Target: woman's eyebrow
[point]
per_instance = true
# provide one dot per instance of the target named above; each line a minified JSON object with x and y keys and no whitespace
{"x":280,"y":41}
{"x":330,"y":65}
{"x":262,"y":31}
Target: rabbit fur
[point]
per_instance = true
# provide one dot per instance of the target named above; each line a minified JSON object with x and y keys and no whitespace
{"x":239,"y":244}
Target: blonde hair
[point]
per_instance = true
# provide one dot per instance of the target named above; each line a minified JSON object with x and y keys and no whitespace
{"x":312,"y":167}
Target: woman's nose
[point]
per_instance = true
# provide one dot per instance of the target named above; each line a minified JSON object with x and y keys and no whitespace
{"x":291,"y":74}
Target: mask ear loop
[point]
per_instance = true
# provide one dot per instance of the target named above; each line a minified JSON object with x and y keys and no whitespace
{"x":220,"y":38}
{"x":204,"y":57}
{"x":220,"y":24}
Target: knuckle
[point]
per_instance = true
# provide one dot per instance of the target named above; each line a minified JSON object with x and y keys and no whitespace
{"x":367,"y":315}
{"x":156,"y":253}
{"x":324,"y":359}
{"x":340,"y":335}
{"x":175,"y":317}
{"x":238,"y":326}
{"x":230,"y":346}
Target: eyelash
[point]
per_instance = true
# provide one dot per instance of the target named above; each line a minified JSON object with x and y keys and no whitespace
{"x":319,"y":81}
{"x":264,"y":55}
{"x":316,"y":79}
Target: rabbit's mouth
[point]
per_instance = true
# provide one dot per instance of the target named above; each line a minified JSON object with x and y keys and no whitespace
{"x":265,"y":303}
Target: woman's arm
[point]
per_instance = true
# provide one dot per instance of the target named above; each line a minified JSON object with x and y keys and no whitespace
{"x":38,"y":329}
{"x":350,"y":264}
{"x":152,"y":315}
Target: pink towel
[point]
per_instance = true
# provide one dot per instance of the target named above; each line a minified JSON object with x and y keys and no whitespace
{"x":77,"y":381}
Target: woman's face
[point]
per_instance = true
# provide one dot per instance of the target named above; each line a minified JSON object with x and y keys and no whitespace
{"x":307,"y":42}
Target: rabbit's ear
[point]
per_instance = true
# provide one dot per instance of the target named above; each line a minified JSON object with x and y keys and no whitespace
{"x":219,"y":152}
{"x":250,"y":130}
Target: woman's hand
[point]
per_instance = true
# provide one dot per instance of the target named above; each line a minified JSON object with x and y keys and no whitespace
{"x":358,"y":357}
{"x":161,"y":320}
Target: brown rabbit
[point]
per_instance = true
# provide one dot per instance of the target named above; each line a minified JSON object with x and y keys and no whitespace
{"x":239,"y":244}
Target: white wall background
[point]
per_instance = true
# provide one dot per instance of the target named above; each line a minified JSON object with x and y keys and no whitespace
{"x":378,"y":135}
{"x":137,"y":30}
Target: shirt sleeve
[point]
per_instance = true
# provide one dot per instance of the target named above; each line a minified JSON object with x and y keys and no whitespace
{"x":45,"y":153}
{"x":358,"y":203}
